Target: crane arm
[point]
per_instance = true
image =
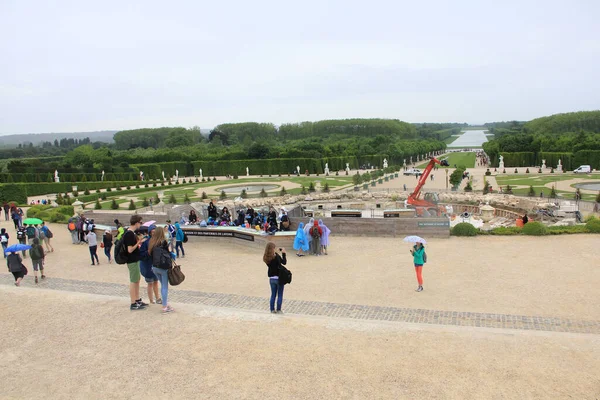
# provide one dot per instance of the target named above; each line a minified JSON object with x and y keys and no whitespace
{"x":423,"y":178}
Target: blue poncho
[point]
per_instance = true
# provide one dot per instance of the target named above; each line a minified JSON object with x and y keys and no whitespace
{"x":301,"y":241}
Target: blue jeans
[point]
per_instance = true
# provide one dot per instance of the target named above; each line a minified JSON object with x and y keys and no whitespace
{"x":276,"y":290}
{"x":107,"y":252}
{"x":164,"y":284}
{"x":94,"y":254}
{"x":4,"y":246}
{"x":179,"y":245}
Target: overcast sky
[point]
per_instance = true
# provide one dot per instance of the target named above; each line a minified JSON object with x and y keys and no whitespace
{"x":84,"y":66}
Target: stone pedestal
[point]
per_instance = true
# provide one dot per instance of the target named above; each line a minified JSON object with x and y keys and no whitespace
{"x":77,"y":207}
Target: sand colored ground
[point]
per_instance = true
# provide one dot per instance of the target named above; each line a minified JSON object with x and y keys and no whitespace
{"x":69,"y":345}
{"x":549,"y":276}
{"x":72,"y":346}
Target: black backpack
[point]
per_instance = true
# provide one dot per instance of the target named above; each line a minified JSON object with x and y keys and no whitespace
{"x":21,"y":234}
{"x":30,"y":232}
{"x":314,"y":232}
{"x":120,"y":252}
{"x":185,"y":238}
{"x":285,"y":275}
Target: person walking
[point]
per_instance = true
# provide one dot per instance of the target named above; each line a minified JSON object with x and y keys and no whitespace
{"x":161,"y":262}
{"x":6,"y":211}
{"x":179,"y":240}
{"x":300,"y":241}
{"x":72,"y":227}
{"x":171,"y":231}
{"x":146,"y":267}
{"x":274,"y":262}
{"x":4,"y":240}
{"x":16,"y":267}
{"x":418,"y":253}
{"x":132,"y":243}
{"x":107,"y":243}
{"x":92,"y":241}
{"x":37,"y":258}
{"x":46,"y":234}
{"x":22,"y":237}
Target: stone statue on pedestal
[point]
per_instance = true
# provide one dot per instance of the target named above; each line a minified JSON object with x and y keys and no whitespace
{"x":200,"y":173}
{"x":56,"y":177}
{"x":501,"y":162}
{"x":385,"y":163}
{"x":543,"y":164}
{"x":247,"y":171}
{"x":347,"y":167}
{"x":327,"y":169}
{"x":559,"y":166}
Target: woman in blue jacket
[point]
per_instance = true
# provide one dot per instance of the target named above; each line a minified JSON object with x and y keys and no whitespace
{"x":179,"y":240}
{"x":418,"y":253}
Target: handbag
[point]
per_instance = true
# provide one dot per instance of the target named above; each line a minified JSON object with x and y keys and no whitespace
{"x":175,"y":275}
{"x":101,"y":245}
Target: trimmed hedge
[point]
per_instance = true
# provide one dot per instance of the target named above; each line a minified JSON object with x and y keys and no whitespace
{"x":569,"y":161}
{"x":464,"y":229}
{"x":48,"y":177}
{"x":13,"y":193}
{"x":534,"y":229}
{"x":593,"y":225}
{"x":51,"y":214}
{"x":36,"y":189}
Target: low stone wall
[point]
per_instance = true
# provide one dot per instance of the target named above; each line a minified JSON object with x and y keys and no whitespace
{"x":107,"y":217}
{"x":239,"y":236}
{"x":388,"y":227}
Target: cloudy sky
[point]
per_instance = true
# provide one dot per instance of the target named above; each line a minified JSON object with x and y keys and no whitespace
{"x":83,"y":66}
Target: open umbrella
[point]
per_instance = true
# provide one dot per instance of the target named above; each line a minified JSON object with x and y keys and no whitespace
{"x":16,"y":248}
{"x":414,"y":239}
{"x":151,"y":222}
{"x":32,"y":221}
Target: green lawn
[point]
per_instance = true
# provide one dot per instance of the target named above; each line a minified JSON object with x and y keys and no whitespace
{"x":464,"y":159}
{"x":181,"y":191}
{"x":538,"y":181}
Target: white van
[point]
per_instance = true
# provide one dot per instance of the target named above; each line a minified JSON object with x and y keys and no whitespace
{"x":583,"y":169}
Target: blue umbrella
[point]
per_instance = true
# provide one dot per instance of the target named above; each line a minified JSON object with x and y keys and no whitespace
{"x":16,"y":248}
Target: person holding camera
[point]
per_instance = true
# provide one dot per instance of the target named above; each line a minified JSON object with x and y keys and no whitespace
{"x":274,"y":262}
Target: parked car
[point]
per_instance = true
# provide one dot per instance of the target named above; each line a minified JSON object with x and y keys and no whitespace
{"x":583,"y":169}
{"x":413,"y":171}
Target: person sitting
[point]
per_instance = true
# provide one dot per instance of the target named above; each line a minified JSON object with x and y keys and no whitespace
{"x":225,"y":216}
{"x":272,"y":217}
{"x":193,"y":218}
{"x":525,"y":219}
{"x":241,"y":217}
{"x":285,"y":221}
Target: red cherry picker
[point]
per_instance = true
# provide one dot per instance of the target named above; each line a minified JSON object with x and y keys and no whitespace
{"x":429,"y":203}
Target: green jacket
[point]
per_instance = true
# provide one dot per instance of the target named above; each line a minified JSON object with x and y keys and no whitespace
{"x":418,"y":255}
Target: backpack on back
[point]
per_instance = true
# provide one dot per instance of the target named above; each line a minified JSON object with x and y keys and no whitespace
{"x":21,"y":234}
{"x":314,"y":232}
{"x":72,"y":226}
{"x":185,"y":238}
{"x":49,"y":233}
{"x":30,"y":232}
{"x":120,"y":252}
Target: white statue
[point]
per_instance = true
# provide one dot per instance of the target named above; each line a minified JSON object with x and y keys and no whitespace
{"x":298,"y":169}
{"x":176,"y":174}
{"x":102,"y":175}
{"x":247,"y":171}
{"x":417,"y":158}
{"x":410,"y":159}
{"x":326,"y":168}
{"x":559,"y":166}
{"x":142,"y":176}
{"x":56,"y":177}
{"x":543,"y":164}
{"x":347,"y":167}
{"x":200,"y":173}
{"x":501,"y":162}
{"x":163,"y":174}
{"x":404,"y":165}
{"x":385,"y":163}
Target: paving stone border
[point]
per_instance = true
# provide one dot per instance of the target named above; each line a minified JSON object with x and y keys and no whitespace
{"x":334,"y":310}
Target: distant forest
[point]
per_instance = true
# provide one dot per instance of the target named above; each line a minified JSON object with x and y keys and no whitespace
{"x":240,"y":141}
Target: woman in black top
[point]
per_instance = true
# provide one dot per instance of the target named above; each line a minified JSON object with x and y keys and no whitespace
{"x":212,"y":211}
{"x":193,"y":218}
{"x":15,"y":265}
{"x":107,"y":241}
{"x":225,"y":216}
{"x":274,"y":261}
